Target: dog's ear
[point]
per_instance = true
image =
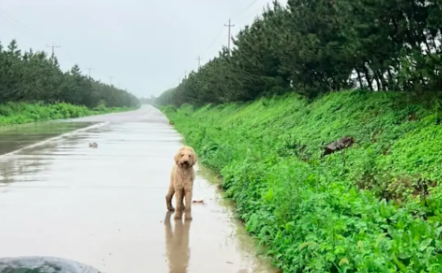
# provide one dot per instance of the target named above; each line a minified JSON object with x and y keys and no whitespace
{"x":194,"y":157}
{"x":177,"y":157}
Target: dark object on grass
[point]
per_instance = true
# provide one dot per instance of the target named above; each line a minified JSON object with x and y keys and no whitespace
{"x":35,"y":264}
{"x":342,"y":143}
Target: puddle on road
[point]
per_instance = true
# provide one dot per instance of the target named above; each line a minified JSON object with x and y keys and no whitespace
{"x":105,"y":207}
{"x":16,"y":137}
{"x":25,"y":165}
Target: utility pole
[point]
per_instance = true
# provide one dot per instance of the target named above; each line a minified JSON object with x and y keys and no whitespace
{"x":53,"y":46}
{"x":199,"y":61}
{"x":110,"y":80}
{"x":90,"y":69}
{"x":185,"y":74}
{"x":228,"y":41}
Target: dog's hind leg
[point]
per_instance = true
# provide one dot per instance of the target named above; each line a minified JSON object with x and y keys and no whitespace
{"x":169,"y":197}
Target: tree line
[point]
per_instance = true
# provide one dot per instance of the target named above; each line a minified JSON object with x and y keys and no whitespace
{"x":144,"y":100}
{"x":36,"y":77}
{"x":312,"y":47}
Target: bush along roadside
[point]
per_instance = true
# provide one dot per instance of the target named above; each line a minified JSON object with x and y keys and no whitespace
{"x":374,"y":207}
{"x":20,"y":113}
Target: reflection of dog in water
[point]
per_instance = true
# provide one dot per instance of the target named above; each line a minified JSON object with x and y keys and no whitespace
{"x":177,"y":244}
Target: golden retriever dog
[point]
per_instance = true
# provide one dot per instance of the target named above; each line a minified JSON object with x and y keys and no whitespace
{"x":181,"y":182}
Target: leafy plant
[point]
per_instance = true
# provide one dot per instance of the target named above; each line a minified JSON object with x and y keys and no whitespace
{"x":374,"y":207}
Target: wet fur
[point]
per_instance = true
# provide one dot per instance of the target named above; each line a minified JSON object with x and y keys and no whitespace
{"x":181,"y":182}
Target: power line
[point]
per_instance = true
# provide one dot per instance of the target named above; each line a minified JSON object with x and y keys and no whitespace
{"x":246,"y":8}
{"x":8,"y":19}
{"x":214,"y":41}
{"x":24,"y":29}
{"x":14,"y":22}
{"x":222,"y":30}
{"x":255,"y":13}
{"x":36,"y":36}
{"x":229,"y":25}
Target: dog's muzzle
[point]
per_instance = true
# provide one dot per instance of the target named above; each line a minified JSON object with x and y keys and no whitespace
{"x":185,"y":164}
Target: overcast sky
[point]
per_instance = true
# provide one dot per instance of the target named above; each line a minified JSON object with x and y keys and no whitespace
{"x":145,"y":45}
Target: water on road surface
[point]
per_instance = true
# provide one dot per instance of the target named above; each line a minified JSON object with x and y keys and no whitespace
{"x":105,"y":207}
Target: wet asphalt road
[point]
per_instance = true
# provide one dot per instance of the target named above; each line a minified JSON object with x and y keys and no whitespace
{"x":105,"y":207}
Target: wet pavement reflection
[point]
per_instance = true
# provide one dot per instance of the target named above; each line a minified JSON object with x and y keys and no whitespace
{"x":17,"y":137}
{"x":105,"y":206}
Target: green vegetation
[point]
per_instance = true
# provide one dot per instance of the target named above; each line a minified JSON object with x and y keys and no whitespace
{"x":313,"y":47}
{"x":19,"y":113}
{"x":262,"y":114}
{"x":374,"y":207}
{"x":36,"y":78}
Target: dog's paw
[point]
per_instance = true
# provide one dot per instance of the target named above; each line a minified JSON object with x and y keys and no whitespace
{"x":177,"y":216}
{"x":188,"y":218}
{"x":171,"y":209}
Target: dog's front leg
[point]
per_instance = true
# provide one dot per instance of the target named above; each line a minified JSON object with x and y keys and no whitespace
{"x":179,"y":203}
{"x":188,"y":196}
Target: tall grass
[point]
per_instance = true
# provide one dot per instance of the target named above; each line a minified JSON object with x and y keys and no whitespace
{"x":375,"y":207}
{"x":19,"y":113}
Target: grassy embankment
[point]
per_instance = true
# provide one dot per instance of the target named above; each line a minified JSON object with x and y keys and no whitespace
{"x":20,"y":113}
{"x":364,"y":210}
